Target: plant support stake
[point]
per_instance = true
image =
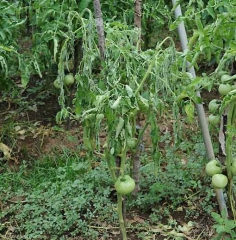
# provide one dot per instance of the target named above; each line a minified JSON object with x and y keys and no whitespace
{"x":199,"y":108}
{"x":100,"y":27}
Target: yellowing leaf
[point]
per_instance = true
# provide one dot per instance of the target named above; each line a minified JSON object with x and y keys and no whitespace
{"x":6,"y":151}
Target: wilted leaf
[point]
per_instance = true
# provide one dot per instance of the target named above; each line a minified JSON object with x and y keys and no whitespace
{"x":6,"y":151}
{"x":17,"y":128}
{"x":189,"y":109}
{"x":138,"y":219}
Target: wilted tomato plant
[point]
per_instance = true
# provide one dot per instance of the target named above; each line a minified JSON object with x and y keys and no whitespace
{"x":113,"y":100}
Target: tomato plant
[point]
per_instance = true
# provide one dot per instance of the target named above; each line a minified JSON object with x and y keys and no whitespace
{"x":124,"y":185}
{"x":131,"y":87}
{"x":213,"y":167}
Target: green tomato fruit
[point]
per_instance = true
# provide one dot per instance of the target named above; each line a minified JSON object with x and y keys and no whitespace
{"x":213,"y":167}
{"x":224,"y":89}
{"x":57,"y":84}
{"x":69,"y":79}
{"x":214,"y":119}
{"x":225,"y":78}
{"x":125,"y":185}
{"x":77,"y":77}
{"x":131,"y":142}
{"x":233,"y":167}
{"x":219,"y":181}
{"x":220,"y":73}
{"x":233,"y":87}
{"x":213,"y":105}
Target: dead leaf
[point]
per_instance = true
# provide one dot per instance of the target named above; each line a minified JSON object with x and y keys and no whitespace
{"x":22,"y":137}
{"x":115,"y":232}
{"x":6,"y":151}
{"x":179,"y":209}
{"x":33,"y":108}
{"x":138,"y":219}
{"x":21,"y":132}
{"x":17,"y":128}
{"x":131,"y":221}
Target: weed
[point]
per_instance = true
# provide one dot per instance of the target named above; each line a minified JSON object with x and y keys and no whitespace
{"x":225,"y":228}
{"x":57,"y":199}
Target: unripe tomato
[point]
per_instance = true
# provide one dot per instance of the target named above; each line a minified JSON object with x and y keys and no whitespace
{"x":222,"y":72}
{"x":233,"y":87}
{"x":77,"y":77}
{"x":125,"y":185}
{"x":214,"y":119}
{"x":213,"y":105}
{"x":56,"y":84}
{"x":219,"y":181}
{"x":224,"y":89}
{"x":131,"y":142}
{"x":213,"y":167}
{"x":69,"y":79}
{"x":233,"y":167}
{"x":225,"y":78}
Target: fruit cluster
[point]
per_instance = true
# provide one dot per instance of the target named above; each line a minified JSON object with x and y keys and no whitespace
{"x":224,"y":88}
{"x":68,"y":81}
{"x":214,"y":169}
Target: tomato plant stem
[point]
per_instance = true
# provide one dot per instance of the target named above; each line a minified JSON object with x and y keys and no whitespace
{"x":121,"y":219}
{"x":123,"y":160}
{"x":229,"y":141}
{"x":110,"y":164}
{"x":140,"y":136}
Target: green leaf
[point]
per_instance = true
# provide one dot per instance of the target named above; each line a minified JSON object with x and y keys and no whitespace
{"x":55,"y":48}
{"x":195,"y":83}
{"x":198,"y":22}
{"x":189,"y":109}
{"x":220,"y":228}
{"x":182,"y":96}
{"x":196,"y":99}
{"x":176,"y":23}
{"x":128,"y":128}
{"x":116,"y":103}
{"x":119,"y":126}
{"x":37,"y":68}
{"x":210,"y":10}
{"x":129,"y":91}
{"x":84,"y":4}
{"x":228,"y":99}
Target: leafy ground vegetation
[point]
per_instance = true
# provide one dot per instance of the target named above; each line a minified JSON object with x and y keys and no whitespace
{"x":100,"y":138}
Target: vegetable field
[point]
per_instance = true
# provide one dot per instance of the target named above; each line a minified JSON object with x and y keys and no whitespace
{"x":117,"y":120}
